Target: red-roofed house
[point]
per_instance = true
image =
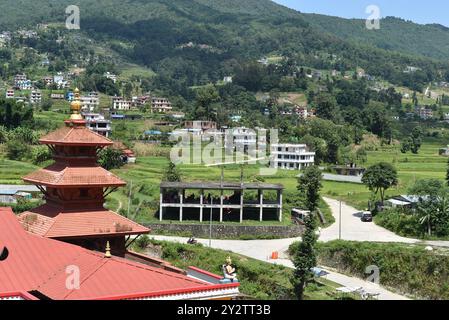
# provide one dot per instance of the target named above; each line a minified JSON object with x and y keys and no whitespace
{"x":34,"y":267}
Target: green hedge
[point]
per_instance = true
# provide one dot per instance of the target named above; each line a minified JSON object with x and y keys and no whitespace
{"x":408,"y":269}
{"x":406,"y":225}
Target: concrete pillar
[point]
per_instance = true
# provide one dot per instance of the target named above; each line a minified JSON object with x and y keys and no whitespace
{"x":182,"y":205}
{"x":221,"y":206}
{"x":161,"y":208}
{"x":241,"y":207}
{"x":261,"y":204}
{"x":280,"y":205}
{"x":201,"y":205}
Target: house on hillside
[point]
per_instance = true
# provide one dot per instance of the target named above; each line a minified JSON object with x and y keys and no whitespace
{"x":35,"y":97}
{"x":160,"y":105}
{"x":291,"y":156}
{"x":424,"y":113}
{"x":120,"y":103}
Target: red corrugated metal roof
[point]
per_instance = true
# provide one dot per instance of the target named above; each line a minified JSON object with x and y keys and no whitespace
{"x":52,"y":222}
{"x":63,"y":175}
{"x":76,"y":136}
{"x":40,"y":264}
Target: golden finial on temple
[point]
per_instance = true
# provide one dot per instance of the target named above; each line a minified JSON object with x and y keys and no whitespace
{"x":75,"y":106}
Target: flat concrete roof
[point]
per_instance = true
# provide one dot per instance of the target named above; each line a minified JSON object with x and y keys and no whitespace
{"x":221,"y":186}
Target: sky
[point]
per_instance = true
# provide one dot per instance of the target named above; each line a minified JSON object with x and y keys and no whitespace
{"x":429,"y":11}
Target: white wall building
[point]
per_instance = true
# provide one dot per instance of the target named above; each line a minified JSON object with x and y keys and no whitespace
{"x":10,"y":94}
{"x":119,"y":103}
{"x":160,"y":105}
{"x":291,"y":156}
{"x":90,"y":102}
{"x":111,"y":76}
{"x":97,"y":123}
{"x":35,"y":97}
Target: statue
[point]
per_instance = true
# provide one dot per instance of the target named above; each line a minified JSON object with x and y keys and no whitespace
{"x":229,"y":270}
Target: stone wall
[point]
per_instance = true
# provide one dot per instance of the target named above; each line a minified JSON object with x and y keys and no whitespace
{"x":227,"y":231}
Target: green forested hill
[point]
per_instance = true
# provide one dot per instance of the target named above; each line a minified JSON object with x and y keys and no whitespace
{"x":394,"y":34}
{"x":223,"y":34}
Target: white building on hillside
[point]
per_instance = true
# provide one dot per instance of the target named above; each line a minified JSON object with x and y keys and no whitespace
{"x":90,"y":102}
{"x":10,"y":94}
{"x":97,"y":123}
{"x":111,"y":76}
{"x":119,"y":103}
{"x":160,"y":105}
{"x":35,"y":97}
{"x":291,"y":156}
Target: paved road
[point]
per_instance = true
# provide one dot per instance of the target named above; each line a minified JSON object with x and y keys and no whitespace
{"x":353,"y":229}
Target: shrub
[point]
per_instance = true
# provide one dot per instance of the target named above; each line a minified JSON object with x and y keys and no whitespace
{"x":409,"y":269}
{"x":16,"y":150}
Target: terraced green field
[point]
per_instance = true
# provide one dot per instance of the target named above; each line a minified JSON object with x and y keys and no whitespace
{"x":11,"y":172}
{"x":425,"y":165}
{"x":146,"y":174}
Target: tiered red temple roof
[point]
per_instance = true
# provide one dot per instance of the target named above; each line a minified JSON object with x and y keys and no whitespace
{"x":38,"y":267}
{"x":75,"y":188}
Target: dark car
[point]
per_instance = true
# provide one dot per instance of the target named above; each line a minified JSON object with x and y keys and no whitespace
{"x":367,"y":217}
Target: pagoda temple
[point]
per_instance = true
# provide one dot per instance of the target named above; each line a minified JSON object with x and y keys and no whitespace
{"x":75,"y":188}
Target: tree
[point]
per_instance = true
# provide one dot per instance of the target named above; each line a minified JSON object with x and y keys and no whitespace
{"x":205,"y":97}
{"x":326,"y":106}
{"x":426,"y":187}
{"x":16,"y":150}
{"x":304,"y":258}
{"x":406,"y":145}
{"x":416,"y":139}
{"x":379,"y":178}
{"x":172,"y":174}
{"x":110,"y":158}
{"x":309,"y":184}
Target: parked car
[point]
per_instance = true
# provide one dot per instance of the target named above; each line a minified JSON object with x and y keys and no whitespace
{"x":367,"y":216}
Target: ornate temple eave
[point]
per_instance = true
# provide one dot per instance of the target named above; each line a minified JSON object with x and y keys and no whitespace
{"x":61,"y":176}
{"x":55,"y":223}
